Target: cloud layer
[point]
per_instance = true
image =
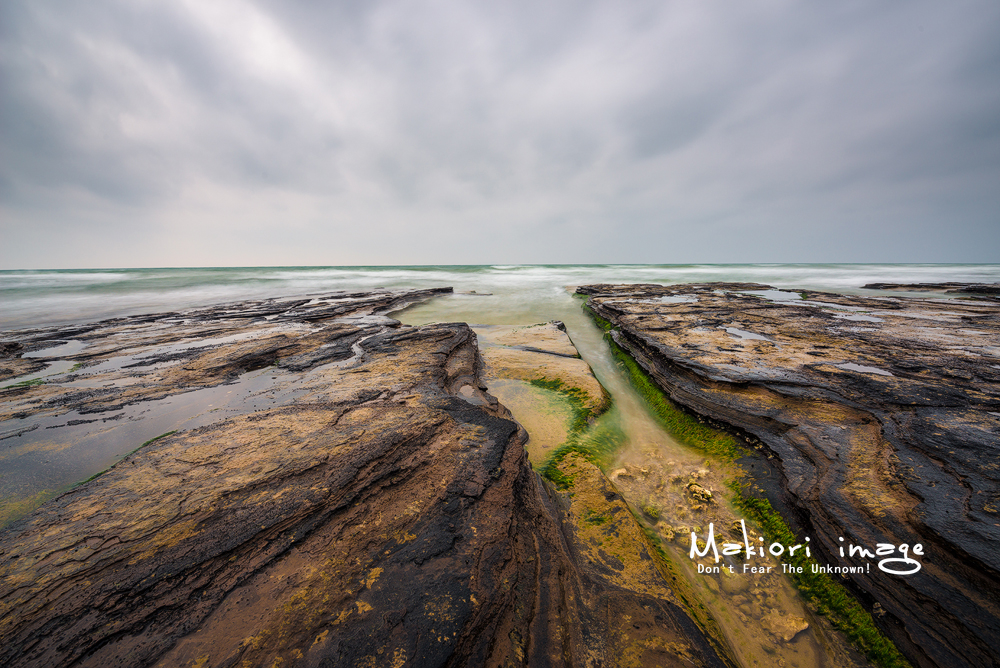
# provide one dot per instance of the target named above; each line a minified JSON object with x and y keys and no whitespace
{"x":241,"y":132}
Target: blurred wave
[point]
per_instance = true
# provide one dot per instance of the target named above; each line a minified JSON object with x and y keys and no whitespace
{"x":53,"y":297}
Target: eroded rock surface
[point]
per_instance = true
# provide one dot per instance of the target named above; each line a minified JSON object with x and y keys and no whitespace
{"x":540,"y":352}
{"x":880,"y":421}
{"x":536,"y":372}
{"x":372,"y":505}
{"x":949,"y":287}
{"x":96,"y":391}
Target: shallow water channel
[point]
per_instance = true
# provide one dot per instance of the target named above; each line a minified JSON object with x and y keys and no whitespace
{"x":761,"y":616}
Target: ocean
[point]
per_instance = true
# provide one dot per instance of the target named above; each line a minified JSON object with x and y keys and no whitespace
{"x":51,"y":297}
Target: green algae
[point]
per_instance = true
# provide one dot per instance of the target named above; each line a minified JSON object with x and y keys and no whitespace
{"x":130,"y":452}
{"x":152,"y":440}
{"x":597,"y":445}
{"x":680,"y":424}
{"x":595,"y":440}
{"x":14,"y":507}
{"x":28,"y":383}
{"x":577,"y":399}
{"x":828,"y":597}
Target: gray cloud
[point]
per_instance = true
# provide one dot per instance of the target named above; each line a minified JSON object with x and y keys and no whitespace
{"x":243,"y":132}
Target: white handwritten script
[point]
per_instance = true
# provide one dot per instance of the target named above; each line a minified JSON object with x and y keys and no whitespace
{"x":891,"y":562}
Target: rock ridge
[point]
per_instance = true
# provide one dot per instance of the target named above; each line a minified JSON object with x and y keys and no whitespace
{"x":880,"y":421}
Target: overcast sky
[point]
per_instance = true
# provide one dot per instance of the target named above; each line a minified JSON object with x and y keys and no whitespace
{"x":278,"y":132}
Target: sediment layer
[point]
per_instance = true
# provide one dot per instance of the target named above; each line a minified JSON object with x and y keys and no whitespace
{"x":373,"y":507}
{"x":880,"y":422}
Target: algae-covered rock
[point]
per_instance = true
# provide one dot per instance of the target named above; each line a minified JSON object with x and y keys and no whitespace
{"x":537,"y":373}
{"x":699,"y":493}
{"x":543,"y":353}
{"x":365,"y":502}
{"x":868,"y":420}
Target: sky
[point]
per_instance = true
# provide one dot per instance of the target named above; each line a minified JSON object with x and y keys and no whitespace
{"x":146,"y":133}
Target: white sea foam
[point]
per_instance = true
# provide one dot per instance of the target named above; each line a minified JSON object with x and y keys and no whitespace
{"x":40,"y":298}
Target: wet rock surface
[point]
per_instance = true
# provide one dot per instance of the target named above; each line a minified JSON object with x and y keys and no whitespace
{"x":679,"y":492}
{"x":531,"y":368}
{"x":540,"y":352}
{"x":365,"y":503}
{"x":784,"y":628}
{"x":94,"y":392}
{"x":875,"y":419}
{"x":949,"y":287}
{"x":655,"y":496}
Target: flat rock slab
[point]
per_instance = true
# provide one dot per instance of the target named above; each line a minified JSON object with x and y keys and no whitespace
{"x":881,"y":416}
{"x":375,"y":508}
{"x":534,"y":370}
{"x":949,"y":287}
{"x":75,"y":399}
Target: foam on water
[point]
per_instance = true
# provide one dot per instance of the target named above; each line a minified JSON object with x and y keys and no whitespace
{"x":51,"y":297}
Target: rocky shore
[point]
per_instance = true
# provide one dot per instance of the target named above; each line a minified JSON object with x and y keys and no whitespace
{"x":311,"y":484}
{"x":868,"y":419}
{"x":950,"y":287}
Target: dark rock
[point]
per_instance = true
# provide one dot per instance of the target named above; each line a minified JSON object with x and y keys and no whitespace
{"x":367,"y":515}
{"x":10,"y":349}
{"x":892,"y":435}
{"x":949,"y":287}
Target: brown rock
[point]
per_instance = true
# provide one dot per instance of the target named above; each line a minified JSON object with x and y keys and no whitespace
{"x":783,"y":627}
{"x":375,"y":508}
{"x":877,"y":419}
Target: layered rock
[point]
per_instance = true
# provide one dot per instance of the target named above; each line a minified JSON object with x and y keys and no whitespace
{"x":97,"y":391}
{"x":948,"y":287}
{"x":879,"y":419}
{"x":536,"y":371}
{"x":656,"y":490}
{"x":371,"y":504}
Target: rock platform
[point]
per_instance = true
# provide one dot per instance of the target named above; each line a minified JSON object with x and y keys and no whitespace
{"x":345,"y":492}
{"x":871,"y":419}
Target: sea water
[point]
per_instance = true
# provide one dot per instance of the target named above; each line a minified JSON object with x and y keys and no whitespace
{"x":50,"y":297}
